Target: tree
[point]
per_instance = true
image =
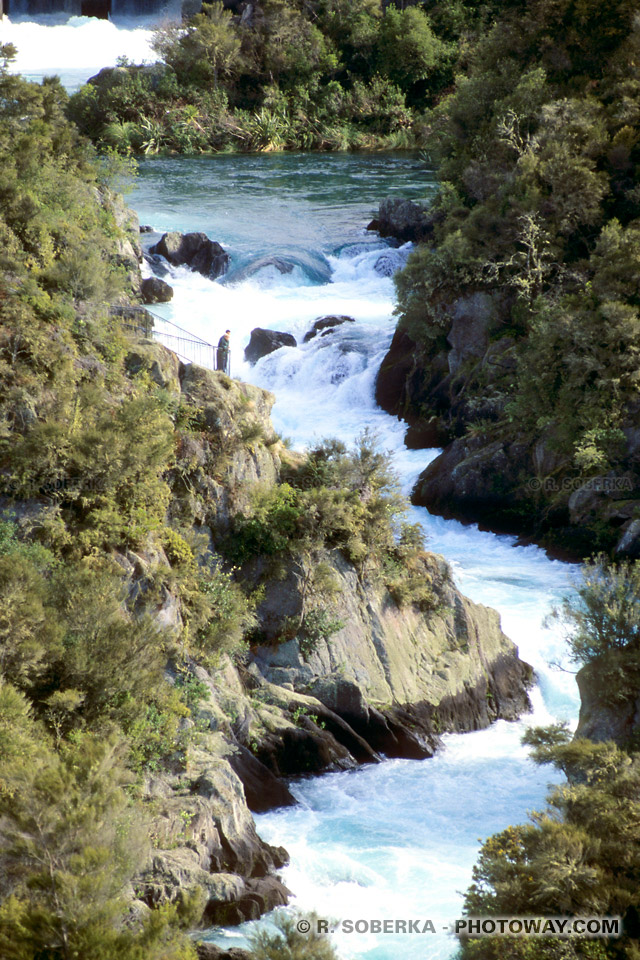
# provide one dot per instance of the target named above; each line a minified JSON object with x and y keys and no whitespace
{"x":206,"y":50}
{"x":408,"y":49}
{"x":296,"y":937}
{"x":579,"y":857}
{"x":603,"y":625}
{"x":70,"y":842}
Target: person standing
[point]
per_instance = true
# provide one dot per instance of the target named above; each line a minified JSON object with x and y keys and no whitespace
{"x":223,"y":352}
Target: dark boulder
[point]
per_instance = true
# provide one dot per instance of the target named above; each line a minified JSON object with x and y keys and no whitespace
{"x":155,"y":290}
{"x":325,"y":325}
{"x":263,"y":342}
{"x":395,"y":373}
{"x":194,"y":250}
{"x":472,"y":477}
{"x":402,"y":219}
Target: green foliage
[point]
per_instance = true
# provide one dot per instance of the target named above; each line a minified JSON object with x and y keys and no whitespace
{"x":203,"y":51}
{"x":287,"y":942}
{"x":409,"y":51}
{"x":327,"y":74}
{"x":603,"y":625}
{"x":580,"y":856}
{"x":539,"y":208}
{"x":349,"y":500}
{"x":317,"y":626}
{"x":219,"y":615}
{"x":70,"y":844}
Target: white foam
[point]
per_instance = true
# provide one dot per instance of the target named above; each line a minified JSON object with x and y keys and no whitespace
{"x":75,"y":48}
{"x":395,"y":841}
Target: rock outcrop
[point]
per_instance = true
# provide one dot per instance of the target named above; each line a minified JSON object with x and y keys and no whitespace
{"x":324,"y":326}
{"x":402,"y":219}
{"x":386,"y":680}
{"x":194,"y":250}
{"x":395,"y":675}
{"x":452,"y":394}
{"x":601,"y":718}
{"x":264,"y":342}
{"x":155,"y":290}
{"x":205,"y":837}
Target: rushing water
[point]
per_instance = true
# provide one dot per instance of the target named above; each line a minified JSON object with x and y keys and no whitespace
{"x":76,"y":48}
{"x":396,"y":841}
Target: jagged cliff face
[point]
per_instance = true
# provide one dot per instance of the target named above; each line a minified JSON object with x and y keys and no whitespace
{"x":386,"y":681}
{"x":453,"y":395}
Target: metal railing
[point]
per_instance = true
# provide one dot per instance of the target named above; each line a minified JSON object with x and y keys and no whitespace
{"x":185,"y":344}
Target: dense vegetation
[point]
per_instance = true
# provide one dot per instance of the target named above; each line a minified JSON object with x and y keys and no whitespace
{"x":83,"y":702}
{"x":580,"y":856}
{"x":538,"y":151}
{"x":99,"y":472}
{"x":308,"y":74}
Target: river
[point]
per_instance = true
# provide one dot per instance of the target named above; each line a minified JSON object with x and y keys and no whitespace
{"x":395,"y":841}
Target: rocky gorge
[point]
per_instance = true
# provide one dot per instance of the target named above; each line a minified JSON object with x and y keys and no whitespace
{"x":332,"y":661}
{"x":454,"y":390}
{"x":387,"y":683}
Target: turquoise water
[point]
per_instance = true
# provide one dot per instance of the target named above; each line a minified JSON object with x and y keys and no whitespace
{"x":396,"y":841}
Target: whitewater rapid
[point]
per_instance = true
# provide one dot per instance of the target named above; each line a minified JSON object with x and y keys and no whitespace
{"x":395,"y":841}
{"x":76,"y":48}
{"x":399,"y":840}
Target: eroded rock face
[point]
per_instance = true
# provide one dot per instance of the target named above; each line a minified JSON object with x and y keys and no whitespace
{"x":206,"y":837}
{"x":194,"y":250}
{"x":264,"y":342}
{"x":446,"y":670}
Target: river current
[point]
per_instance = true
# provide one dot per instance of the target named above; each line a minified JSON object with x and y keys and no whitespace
{"x":395,"y":841}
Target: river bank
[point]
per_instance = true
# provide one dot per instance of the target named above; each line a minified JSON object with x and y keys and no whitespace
{"x":325,"y":388}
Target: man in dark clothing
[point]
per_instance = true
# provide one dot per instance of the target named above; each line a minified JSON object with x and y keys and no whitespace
{"x":223,"y":352}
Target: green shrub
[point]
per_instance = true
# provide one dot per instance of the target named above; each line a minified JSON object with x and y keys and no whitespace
{"x":603,"y":625}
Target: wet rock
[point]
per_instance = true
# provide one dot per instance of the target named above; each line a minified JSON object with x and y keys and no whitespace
{"x":145,"y":228}
{"x":325,"y":325}
{"x":402,"y":219}
{"x":194,"y":250}
{"x":264,"y":342}
{"x":469,"y":333}
{"x":387,"y":263}
{"x":260,"y":896}
{"x":155,"y":290}
{"x":629,"y":543}
{"x":262,"y":263}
